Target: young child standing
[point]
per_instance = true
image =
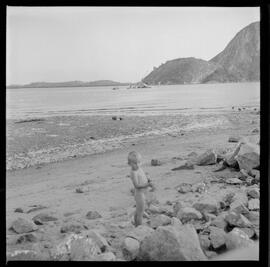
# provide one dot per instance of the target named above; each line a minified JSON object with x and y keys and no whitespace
{"x":141,"y":183}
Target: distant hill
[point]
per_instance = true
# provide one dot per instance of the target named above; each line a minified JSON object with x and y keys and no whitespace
{"x":68,"y":84}
{"x":238,"y":62}
{"x":180,"y":71}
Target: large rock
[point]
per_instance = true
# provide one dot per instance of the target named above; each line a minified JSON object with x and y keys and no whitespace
{"x":92,"y":215}
{"x":44,"y":217}
{"x":188,"y":213}
{"x":172,"y":243}
{"x":220,"y":221}
{"x":207,"y":158}
{"x":236,"y":219}
{"x":22,"y":225}
{"x":204,"y":241}
{"x":254,"y":204}
{"x":217,"y":237}
{"x":130,"y":248}
{"x":249,"y":231}
{"x":140,"y":232}
{"x":239,"y":207}
{"x":159,"y":220}
{"x":237,"y":239}
{"x":107,"y":256}
{"x":248,"y":157}
{"x":98,"y":239}
{"x":206,"y":204}
{"x":76,"y":248}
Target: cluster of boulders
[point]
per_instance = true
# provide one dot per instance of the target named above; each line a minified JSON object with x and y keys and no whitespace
{"x":211,"y":225}
{"x":79,"y":243}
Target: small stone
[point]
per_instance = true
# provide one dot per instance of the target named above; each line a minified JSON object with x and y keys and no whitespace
{"x":184,"y":188}
{"x":79,"y":190}
{"x":114,"y":118}
{"x":186,"y":166}
{"x":187,"y":213}
{"x":130,"y":248}
{"x":234,"y":181}
{"x":26,"y":238}
{"x":233,"y":139}
{"x":44,"y":217}
{"x":253,"y":192}
{"x":35,"y":208}
{"x":156,"y":162}
{"x":199,"y":187}
{"x":159,"y":220}
{"x":18,"y":210}
{"x":254,"y":204}
{"x":21,"y":225}
{"x":256,"y":130}
{"x":92,"y":215}
{"x":255,"y":173}
{"x":71,"y":227}
{"x":209,"y":217}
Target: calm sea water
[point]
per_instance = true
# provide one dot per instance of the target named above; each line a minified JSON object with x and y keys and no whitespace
{"x":40,"y":102}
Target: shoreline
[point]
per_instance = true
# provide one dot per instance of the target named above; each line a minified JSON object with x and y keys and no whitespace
{"x":58,"y":138}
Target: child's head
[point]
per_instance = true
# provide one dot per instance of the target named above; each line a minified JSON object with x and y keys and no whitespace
{"x":134,"y":158}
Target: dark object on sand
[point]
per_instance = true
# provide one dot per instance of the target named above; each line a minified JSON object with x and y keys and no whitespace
{"x":30,"y":120}
{"x":92,"y":215}
{"x":120,"y":118}
{"x":233,"y":139}
{"x":232,"y":107}
{"x":207,"y":158}
{"x":92,"y":138}
{"x":186,"y":166}
{"x":239,"y":109}
{"x":114,"y":118}
{"x":155,"y":162}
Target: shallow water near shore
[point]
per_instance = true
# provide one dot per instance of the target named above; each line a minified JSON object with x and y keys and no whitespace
{"x":157,"y":100}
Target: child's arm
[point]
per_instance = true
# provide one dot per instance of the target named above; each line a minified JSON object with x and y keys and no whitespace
{"x":135,"y":183}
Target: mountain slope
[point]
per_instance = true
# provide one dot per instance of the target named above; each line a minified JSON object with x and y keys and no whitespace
{"x":238,"y":62}
{"x":241,"y":57}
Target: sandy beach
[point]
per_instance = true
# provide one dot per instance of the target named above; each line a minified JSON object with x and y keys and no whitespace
{"x":46,"y":166}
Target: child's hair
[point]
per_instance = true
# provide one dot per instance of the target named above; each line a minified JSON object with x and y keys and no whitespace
{"x":134,"y":157}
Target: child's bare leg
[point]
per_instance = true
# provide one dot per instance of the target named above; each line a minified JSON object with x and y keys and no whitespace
{"x":138,"y":217}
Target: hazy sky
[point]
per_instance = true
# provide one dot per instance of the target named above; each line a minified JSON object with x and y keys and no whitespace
{"x":113,"y":43}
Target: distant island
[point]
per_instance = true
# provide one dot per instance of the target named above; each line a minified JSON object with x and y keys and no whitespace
{"x":238,"y":62}
{"x":68,"y":84}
